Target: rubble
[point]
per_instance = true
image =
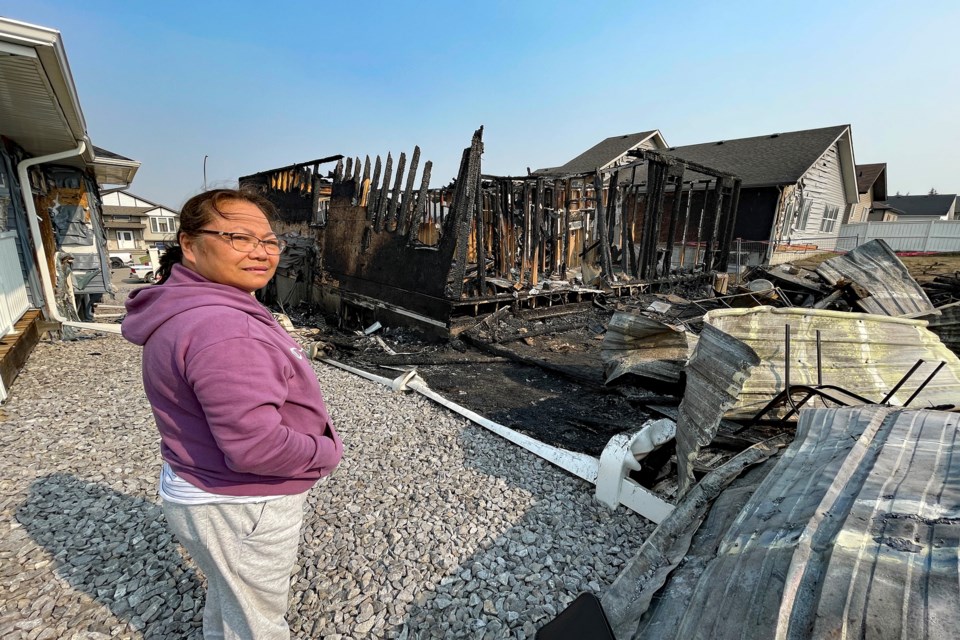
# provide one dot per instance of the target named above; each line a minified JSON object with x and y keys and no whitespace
{"x":836,"y":530}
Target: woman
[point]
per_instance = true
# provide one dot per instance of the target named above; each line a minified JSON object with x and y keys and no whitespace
{"x":244,"y":430}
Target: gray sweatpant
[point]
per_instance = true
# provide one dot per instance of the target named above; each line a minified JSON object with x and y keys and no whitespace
{"x":246,"y":551}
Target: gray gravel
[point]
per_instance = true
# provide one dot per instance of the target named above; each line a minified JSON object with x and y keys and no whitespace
{"x":431,"y":527}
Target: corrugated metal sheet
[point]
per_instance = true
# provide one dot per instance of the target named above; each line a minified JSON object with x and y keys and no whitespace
{"x":863,"y":353}
{"x":947,"y":325}
{"x":723,"y":488}
{"x":715,"y":376}
{"x":645,"y":347}
{"x":854,"y":534}
{"x":875,"y":267}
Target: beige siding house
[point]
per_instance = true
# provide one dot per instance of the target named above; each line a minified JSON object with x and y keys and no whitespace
{"x":871,"y":187}
{"x":135,"y":224}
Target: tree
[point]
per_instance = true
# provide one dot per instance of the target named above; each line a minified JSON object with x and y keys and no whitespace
{"x":932,"y":192}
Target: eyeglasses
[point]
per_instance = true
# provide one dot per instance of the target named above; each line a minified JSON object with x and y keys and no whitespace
{"x":245,"y":243}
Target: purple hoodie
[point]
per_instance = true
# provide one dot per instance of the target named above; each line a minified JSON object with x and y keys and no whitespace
{"x":237,"y":404}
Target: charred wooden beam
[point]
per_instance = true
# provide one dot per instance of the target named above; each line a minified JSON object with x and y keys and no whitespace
{"x":685,"y":225}
{"x":404,"y":206}
{"x":656,"y":186}
{"x":393,"y":204}
{"x":729,"y":216}
{"x":499,"y":230}
{"x":604,"y":246}
{"x":457,"y":227}
{"x":419,"y":208}
{"x":384,"y":195}
{"x":356,"y":170}
{"x":710,"y":225}
{"x":373,"y":192}
{"x":565,"y":245}
{"x":676,"y":173}
{"x":481,"y":242}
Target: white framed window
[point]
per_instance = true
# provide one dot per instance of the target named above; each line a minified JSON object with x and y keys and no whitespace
{"x":162,"y":225}
{"x":804,"y":215}
{"x":829,"y":221}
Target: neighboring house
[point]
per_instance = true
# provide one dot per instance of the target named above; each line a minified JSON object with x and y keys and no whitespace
{"x":135,"y":224}
{"x":52,"y":241}
{"x":882,"y":212}
{"x":796,"y":186}
{"x":941,"y":206}
{"x":871,"y":187}
{"x":609,"y":153}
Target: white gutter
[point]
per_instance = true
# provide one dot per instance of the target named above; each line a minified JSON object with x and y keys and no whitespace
{"x":32,"y":219}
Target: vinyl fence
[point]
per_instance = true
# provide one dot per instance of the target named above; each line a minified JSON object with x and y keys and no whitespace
{"x":13,"y":290}
{"x":935,"y":236}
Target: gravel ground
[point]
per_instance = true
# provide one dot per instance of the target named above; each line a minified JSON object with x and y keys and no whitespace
{"x":431,"y":527}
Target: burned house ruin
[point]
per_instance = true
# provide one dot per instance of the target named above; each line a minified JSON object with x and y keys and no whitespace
{"x":389,"y":247}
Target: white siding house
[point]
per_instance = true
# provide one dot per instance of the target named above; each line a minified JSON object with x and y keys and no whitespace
{"x":797,"y":187}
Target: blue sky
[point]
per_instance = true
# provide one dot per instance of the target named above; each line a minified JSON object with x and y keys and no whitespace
{"x":256,"y":85}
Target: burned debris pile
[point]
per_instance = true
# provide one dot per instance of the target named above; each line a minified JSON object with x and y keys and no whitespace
{"x":603,"y":321}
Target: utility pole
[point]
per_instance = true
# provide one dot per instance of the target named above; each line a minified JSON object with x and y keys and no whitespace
{"x":204,"y":173}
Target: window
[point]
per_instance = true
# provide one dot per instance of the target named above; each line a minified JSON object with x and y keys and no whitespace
{"x":161,"y":225}
{"x":787,"y":220}
{"x":829,"y":221}
{"x":804,"y":215}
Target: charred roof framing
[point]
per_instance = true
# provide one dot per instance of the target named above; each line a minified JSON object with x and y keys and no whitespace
{"x":436,"y":258}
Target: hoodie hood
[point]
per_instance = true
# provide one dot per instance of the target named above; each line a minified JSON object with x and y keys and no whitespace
{"x":185,"y":290}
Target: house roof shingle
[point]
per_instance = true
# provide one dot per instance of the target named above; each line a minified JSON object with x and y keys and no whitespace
{"x":602,"y":153}
{"x":867,"y":174}
{"x":935,"y":205}
{"x":780,"y":158}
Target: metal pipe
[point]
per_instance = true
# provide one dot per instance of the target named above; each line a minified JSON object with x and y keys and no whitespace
{"x":786,"y":369}
{"x":906,"y":376}
{"x":925,"y":383}
{"x":819,"y":362}
{"x":50,"y":299}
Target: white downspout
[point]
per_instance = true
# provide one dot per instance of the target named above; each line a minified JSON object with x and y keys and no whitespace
{"x":32,"y":219}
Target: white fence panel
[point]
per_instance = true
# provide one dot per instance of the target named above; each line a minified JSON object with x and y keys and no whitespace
{"x":13,"y":290}
{"x":918,"y":235}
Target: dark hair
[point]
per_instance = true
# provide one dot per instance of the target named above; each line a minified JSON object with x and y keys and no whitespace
{"x":199,"y":210}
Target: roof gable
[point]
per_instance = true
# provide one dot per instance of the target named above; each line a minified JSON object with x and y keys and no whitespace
{"x":868,"y":176}
{"x":608,"y":151}
{"x":776,"y":159}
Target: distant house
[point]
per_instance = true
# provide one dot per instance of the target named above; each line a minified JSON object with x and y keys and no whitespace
{"x":609,"y":153}
{"x":941,"y":206}
{"x":871,"y":187}
{"x":135,"y":224}
{"x":796,"y":186}
{"x":53,"y":257}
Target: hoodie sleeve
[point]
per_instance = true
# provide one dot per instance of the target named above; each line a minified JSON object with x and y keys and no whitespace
{"x":241,"y":384}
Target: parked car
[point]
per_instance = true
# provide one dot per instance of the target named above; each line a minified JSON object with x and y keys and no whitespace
{"x":120,"y":259}
{"x":143,"y":273}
